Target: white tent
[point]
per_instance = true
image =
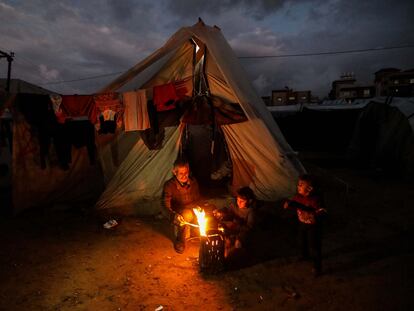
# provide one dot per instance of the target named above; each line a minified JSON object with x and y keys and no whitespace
{"x":260,"y":156}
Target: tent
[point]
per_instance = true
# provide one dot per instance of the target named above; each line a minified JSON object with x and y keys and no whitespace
{"x":326,"y":127}
{"x":21,"y":86}
{"x":49,"y":186}
{"x":384,"y":136}
{"x":260,"y":156}
{"x":25,"y":184}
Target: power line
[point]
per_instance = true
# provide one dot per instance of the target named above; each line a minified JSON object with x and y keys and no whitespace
{"x":332,"y":52}
{"x":86,"y":78}
{"x":263,"y":56}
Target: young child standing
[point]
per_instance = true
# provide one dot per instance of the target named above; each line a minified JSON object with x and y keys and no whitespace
{"x":310,"y":208}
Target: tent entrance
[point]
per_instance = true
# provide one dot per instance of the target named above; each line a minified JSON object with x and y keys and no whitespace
{"x":206,"y":150}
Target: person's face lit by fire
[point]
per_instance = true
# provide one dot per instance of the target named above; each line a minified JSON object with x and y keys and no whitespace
{"x":242,"y":203}
{"x":182,"y":174}
{"x":304,"y":188}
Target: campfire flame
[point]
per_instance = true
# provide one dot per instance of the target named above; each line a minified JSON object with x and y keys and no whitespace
{"x":202,"y":220}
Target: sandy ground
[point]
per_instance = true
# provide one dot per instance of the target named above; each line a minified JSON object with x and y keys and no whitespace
{"x":66,"y":260}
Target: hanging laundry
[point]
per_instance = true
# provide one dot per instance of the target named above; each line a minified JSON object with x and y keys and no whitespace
{"x":184,"y":88}
{"x":56,"y":104}
{"x":81,"y":134}
{"x":37,"y":110}
{"x":226,"y":112}
{"x":79,"y":106}
{"x":198,"y":111}
{"x":109,"y":111}
{"x":136,"y":114}
{"x":165,"y":97}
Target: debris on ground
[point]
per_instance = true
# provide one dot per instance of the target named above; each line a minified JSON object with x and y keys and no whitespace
{"x":110,"y":224}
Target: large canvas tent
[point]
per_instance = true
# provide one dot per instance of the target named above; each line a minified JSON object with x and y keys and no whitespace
{"x":384,"y":136}
{"x":260,"y":156}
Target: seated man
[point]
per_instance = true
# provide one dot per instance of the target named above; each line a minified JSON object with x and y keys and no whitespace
{"x":179,"y":195}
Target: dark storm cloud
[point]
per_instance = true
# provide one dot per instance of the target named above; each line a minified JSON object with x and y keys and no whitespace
{"x":333,"y":26}
{"x":122,"y":10}
{"x":255,"y":8}
{"x":65,"y":40}
{"x":73,"y":39}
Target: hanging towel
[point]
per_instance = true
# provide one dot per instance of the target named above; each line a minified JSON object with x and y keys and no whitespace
{"x":136,"y":113}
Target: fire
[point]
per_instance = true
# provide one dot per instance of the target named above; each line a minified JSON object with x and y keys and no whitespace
{"x":202,"y":220}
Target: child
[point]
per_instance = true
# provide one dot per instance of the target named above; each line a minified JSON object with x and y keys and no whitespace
{"x":309,"y":207}
{"x":238,"y":220}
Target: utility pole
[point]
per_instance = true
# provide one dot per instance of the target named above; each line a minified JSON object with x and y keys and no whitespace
{"x":9,"y":58}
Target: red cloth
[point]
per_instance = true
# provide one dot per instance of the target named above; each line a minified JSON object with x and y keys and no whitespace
{"x":198,"y":111}
{"x":183,"y":88}
{"x":313,"y":202}
{"x":164,"y":97}
{"x":79,"y":106}
{"x":60,"y":116}
{"x":107,"y":101}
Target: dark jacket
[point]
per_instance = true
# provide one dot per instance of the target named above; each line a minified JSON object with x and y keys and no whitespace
{"x":242,"y":221}
{"x":176,"y":196}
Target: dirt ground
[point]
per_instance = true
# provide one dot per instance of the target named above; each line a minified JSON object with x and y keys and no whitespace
{"x":66,"y":260}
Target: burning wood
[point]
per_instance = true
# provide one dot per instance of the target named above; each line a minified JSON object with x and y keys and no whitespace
{"x":202,"y":220}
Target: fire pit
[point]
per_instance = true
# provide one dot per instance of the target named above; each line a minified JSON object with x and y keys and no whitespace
{"x":211,"y":251}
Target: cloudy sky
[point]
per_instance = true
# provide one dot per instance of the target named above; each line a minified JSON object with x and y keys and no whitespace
{"x":65,"y":40}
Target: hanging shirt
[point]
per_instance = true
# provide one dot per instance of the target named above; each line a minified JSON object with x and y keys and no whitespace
{"x":56,"y":104}
{"x":109,"y":108}
{"x":79,"y":106}
{"x":165,"y":97}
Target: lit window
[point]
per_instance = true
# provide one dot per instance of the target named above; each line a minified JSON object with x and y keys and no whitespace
{"x":396,"y":82}
{"x":412,"y":80}
{"x":366,"y":92}
{"x":291,"y":98}
{"x":279,"y":99}
{"x":303,"y":97}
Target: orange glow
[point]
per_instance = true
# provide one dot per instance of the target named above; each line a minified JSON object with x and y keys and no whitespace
{"x":202,"y":220}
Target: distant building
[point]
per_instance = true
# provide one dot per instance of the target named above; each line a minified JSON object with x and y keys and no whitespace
{"x":346,"y":88}
{"x":289,"y":97}
{"x":351,"y":93}
{"x":303,"y":97}
{"x":394,"y":82}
